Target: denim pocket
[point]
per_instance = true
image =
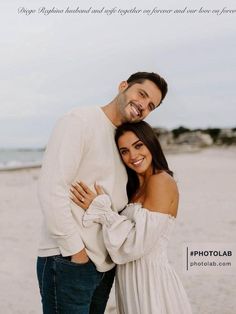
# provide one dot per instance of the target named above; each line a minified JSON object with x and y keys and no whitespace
{"x":85,"y":273}
{"x":67,"y":261}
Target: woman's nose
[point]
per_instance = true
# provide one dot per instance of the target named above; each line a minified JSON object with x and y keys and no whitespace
{"x":133,"y":154}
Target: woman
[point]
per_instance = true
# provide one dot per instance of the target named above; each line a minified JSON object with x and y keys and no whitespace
{"x":137,"y":238}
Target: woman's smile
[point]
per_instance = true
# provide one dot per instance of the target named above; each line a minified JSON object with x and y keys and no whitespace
{"x":137,"y":163}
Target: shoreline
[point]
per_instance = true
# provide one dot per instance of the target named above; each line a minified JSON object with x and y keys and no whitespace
{"x":18,"y":168}
{"x":169,"y":151}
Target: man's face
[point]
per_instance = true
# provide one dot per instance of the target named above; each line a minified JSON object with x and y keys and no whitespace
{"x":137,"y":101}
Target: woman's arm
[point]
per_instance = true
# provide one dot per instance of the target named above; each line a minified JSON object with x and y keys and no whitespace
{"x":126,"y":239}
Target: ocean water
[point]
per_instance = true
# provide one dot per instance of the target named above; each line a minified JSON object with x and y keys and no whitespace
{"x":20,"y":158}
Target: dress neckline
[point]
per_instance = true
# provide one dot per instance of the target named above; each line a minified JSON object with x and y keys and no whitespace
{"x":136,"y":203}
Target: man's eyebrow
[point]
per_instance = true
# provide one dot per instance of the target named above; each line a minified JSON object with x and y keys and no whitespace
{"x":146,"y":94}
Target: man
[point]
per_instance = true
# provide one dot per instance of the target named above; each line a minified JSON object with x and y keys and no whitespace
{"x":75,"y":272}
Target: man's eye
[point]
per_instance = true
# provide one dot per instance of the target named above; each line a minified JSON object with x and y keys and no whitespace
{"x":142,"y":94}
{"x":151,"y":107}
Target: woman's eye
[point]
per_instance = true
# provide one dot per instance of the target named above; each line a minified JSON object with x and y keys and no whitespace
{"x":123,"y":152}
{"x":138,"y":146}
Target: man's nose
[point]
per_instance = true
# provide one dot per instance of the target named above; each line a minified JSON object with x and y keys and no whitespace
{"x":143,"y":105}
{"x":144,"y":110}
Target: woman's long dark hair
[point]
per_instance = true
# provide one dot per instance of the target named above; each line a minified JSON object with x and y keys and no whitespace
{"x":147,"y":135}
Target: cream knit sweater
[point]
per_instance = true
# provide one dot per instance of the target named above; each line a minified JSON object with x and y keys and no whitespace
{"x":81,"y":147}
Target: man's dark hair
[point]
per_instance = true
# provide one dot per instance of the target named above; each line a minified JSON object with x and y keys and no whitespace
{"x":149,"y":138}
{"x":159,"y":81}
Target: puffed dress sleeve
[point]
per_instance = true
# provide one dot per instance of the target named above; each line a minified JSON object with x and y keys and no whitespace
{"x":128,"y":236}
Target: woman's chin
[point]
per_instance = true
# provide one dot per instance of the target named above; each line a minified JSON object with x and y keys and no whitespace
{"x":140,"y":170}
{"x":144,"y":170}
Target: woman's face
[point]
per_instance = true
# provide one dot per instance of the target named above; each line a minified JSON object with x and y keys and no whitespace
{"x":134,"y":153}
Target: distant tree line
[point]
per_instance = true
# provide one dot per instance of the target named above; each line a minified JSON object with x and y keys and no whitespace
{"x":218,"y":135}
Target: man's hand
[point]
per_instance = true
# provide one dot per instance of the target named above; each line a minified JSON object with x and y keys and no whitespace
{"x":80,"y":257}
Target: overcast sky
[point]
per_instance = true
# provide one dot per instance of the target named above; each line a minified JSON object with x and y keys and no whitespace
{"x":50,"y":64}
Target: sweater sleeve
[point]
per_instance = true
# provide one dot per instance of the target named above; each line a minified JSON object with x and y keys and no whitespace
{"x":60,"y":165}
{"x":126,"y":238}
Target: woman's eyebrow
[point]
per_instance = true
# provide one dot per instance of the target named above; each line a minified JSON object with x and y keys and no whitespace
{"x":131,"y":144}
{"x":136,"y":142}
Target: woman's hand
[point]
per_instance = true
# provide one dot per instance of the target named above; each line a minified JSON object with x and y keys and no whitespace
{"x":82,"y":195}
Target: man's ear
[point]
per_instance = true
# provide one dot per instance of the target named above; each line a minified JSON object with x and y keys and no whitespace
{"x":123,"y":85}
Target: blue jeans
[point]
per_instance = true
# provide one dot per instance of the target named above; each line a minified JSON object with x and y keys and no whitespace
{"x":70,"y":288}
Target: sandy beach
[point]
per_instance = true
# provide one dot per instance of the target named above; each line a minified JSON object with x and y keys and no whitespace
{"x":206,"y":181}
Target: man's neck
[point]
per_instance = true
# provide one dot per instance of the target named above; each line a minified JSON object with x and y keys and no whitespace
{"x":111,"y":111}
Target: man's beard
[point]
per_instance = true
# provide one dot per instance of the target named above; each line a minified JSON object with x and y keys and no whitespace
{"x":122,"y":105}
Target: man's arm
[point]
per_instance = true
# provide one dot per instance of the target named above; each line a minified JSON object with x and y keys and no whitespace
{"x":60,"y":166}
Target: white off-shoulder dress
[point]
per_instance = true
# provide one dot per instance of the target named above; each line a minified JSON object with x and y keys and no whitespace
{"x":137,"y":241}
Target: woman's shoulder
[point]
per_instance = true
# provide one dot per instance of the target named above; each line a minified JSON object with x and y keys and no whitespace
{"x":162,"y":193}
{"x":161,"y":179}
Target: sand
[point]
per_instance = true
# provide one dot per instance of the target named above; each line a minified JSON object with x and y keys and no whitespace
{"x":207,"y":213}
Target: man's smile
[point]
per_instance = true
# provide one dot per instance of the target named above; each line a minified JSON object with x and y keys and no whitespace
{"x":135,"y":110}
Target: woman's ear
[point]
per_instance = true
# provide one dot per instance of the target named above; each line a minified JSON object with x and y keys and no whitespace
{"x":123,"y":85}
